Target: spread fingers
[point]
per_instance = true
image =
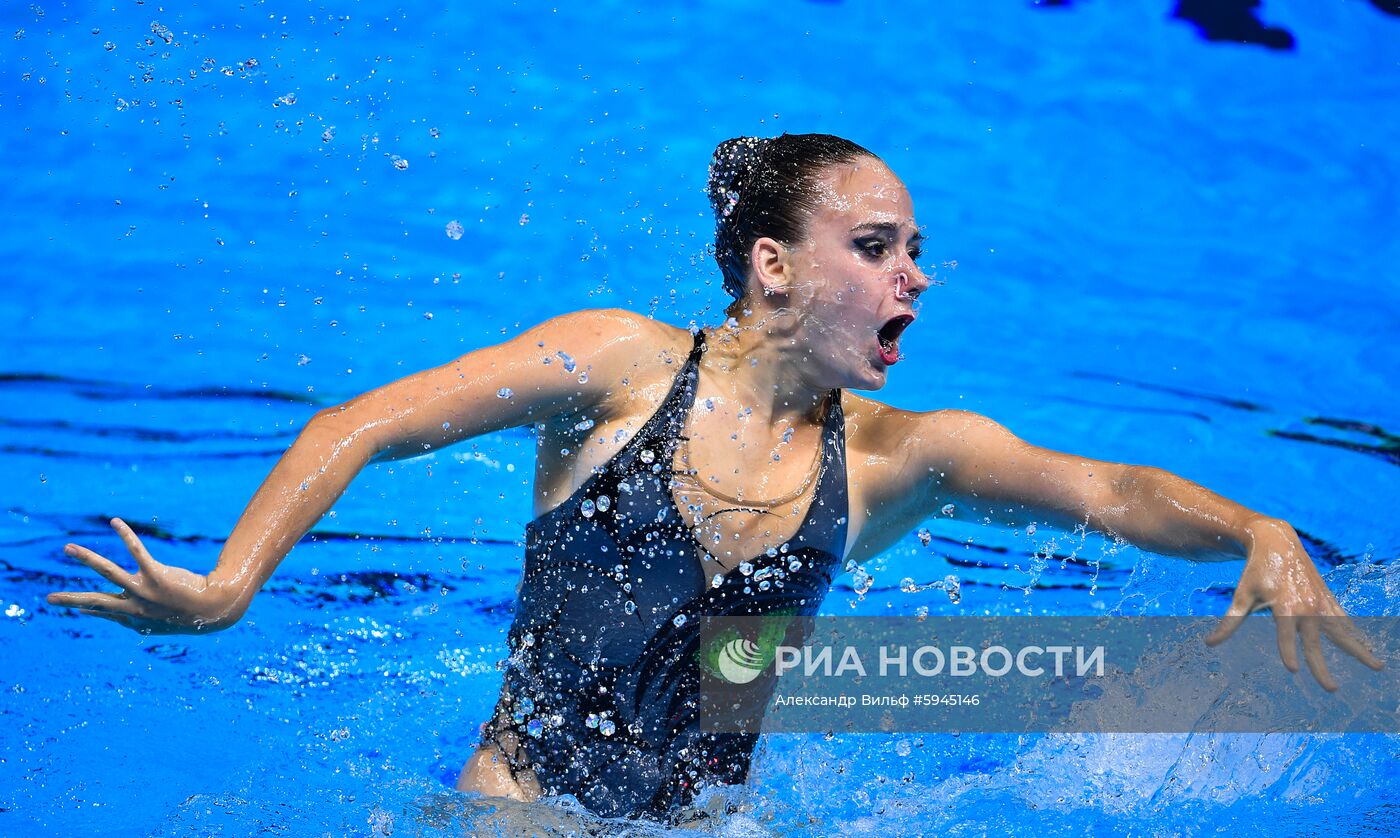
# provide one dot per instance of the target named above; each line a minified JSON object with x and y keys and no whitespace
{"x":1287,"y":629}
{"x":1348,"y":637}
{"x":107,"y":615}
{"x":133,"y":543}
{"x":1312,"y":652}
{"x":94,"y":601}
{"x":105,"y":567}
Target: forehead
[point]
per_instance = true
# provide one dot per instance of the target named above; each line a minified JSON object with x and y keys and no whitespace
{"x":862,"y":191}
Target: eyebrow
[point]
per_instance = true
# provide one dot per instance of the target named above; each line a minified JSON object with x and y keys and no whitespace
{"x":887,"y":227}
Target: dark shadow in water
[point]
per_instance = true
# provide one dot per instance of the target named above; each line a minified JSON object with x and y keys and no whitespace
{"x":141,"y":434}
{"x":1155,"y":411}
{"x":1323,"y":552}
{"x":107,"y":391}
{"x":1386,"y":447}
{"x":335,"y":588}
{"x":1237,"y":404}
{"x":62,"y":454}
{"x":1233,"y":20}
{"x":88,"y":527}
{"x":360,"y":587}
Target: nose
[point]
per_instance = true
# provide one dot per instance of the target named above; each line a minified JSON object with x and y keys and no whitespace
{"x":910,"y":282}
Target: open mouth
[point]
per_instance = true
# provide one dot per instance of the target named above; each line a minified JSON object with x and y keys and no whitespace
{"x":888,"y":336}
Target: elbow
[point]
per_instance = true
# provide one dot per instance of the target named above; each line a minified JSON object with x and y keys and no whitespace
{"x":1130,"y":481}
{"x":220,"y":605}
{"x":341,"y":430}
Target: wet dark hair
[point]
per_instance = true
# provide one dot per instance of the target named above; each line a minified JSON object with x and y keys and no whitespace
{"x":766,"y":187}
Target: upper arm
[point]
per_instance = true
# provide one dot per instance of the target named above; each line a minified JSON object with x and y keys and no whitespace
{"x":980,"y":466}
{"x":526,"y":379}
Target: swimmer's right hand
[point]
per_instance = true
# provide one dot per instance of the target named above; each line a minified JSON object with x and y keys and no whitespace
{"x":157,"y":599}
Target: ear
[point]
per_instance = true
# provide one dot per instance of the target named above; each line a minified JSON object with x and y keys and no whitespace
{"x":769,"y":263}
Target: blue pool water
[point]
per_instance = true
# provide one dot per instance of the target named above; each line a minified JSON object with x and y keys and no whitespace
{"x":1157,"y":249}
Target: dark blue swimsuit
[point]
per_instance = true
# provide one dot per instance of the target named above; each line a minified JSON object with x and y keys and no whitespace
{"x":600,"y":688}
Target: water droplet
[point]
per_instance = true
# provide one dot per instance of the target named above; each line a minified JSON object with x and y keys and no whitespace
{"x":795,"y":565}
{"x":949,"y":509}
{"x":569,"y":365}
{"x":527,"y":640}
{"x":455,"y":230}
{"x":679,"y":620}
{"x":925,"y":537}
{"x":902,"y":748}
{"x":592,"y":720}
{"x":861,"y":580}
{"x":586,"y":508}
{"x":647,"y":455}
{"x":302,"y":360}
{"x":504,"y":393}
{"x":604,"y":503}
{"x":584,"y":425}
{"x":1030,"y":529}
{"x":746,"y":568}
{"x":717,"y":580}
{"x":288,"y":99}
{"x":953,"y":587}
{"x":606,"y":727}
{"x":583,"y":377}
{"x":629,"y":607}
{"x":328,"y":134}
{"x":434,"y":133}
{"x":526,"y":705}
{"x":400,"y":163}
{"x":909,"y":586}
{"x":524,"y":219}
{"x":109,"y":46}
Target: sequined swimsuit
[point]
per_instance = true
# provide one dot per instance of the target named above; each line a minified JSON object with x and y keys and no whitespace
{"x":599,"y":699}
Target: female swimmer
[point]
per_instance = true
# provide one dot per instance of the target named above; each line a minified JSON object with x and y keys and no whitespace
{"x":682,"y":463}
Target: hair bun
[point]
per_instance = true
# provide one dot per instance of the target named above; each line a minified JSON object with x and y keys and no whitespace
{"x":731,"y":169}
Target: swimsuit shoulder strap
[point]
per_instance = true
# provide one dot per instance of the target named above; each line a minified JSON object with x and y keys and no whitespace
{"x":669,"y":419}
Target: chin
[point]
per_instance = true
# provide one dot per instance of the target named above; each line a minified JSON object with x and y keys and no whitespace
{"x":873,"y":378}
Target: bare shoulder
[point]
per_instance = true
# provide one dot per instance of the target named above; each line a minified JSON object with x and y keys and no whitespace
{"x":610,"y":331}
{"x":894,"y":436}
{"x":618,"y":355}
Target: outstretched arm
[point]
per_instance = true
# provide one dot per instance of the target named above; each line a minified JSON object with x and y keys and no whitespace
{"x":978,"y":464}
{"x":408,"y":417}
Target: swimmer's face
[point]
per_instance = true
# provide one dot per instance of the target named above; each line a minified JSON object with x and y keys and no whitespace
{"x":854,"y":278}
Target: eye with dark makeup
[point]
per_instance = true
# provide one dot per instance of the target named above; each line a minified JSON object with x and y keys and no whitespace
{"x":873,"y":247}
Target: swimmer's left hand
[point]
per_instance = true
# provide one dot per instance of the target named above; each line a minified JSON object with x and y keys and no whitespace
{"x":157,"y":599}
{"x":1279,"y":575}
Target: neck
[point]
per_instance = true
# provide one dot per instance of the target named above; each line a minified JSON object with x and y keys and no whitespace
{"x":754,"y":360}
